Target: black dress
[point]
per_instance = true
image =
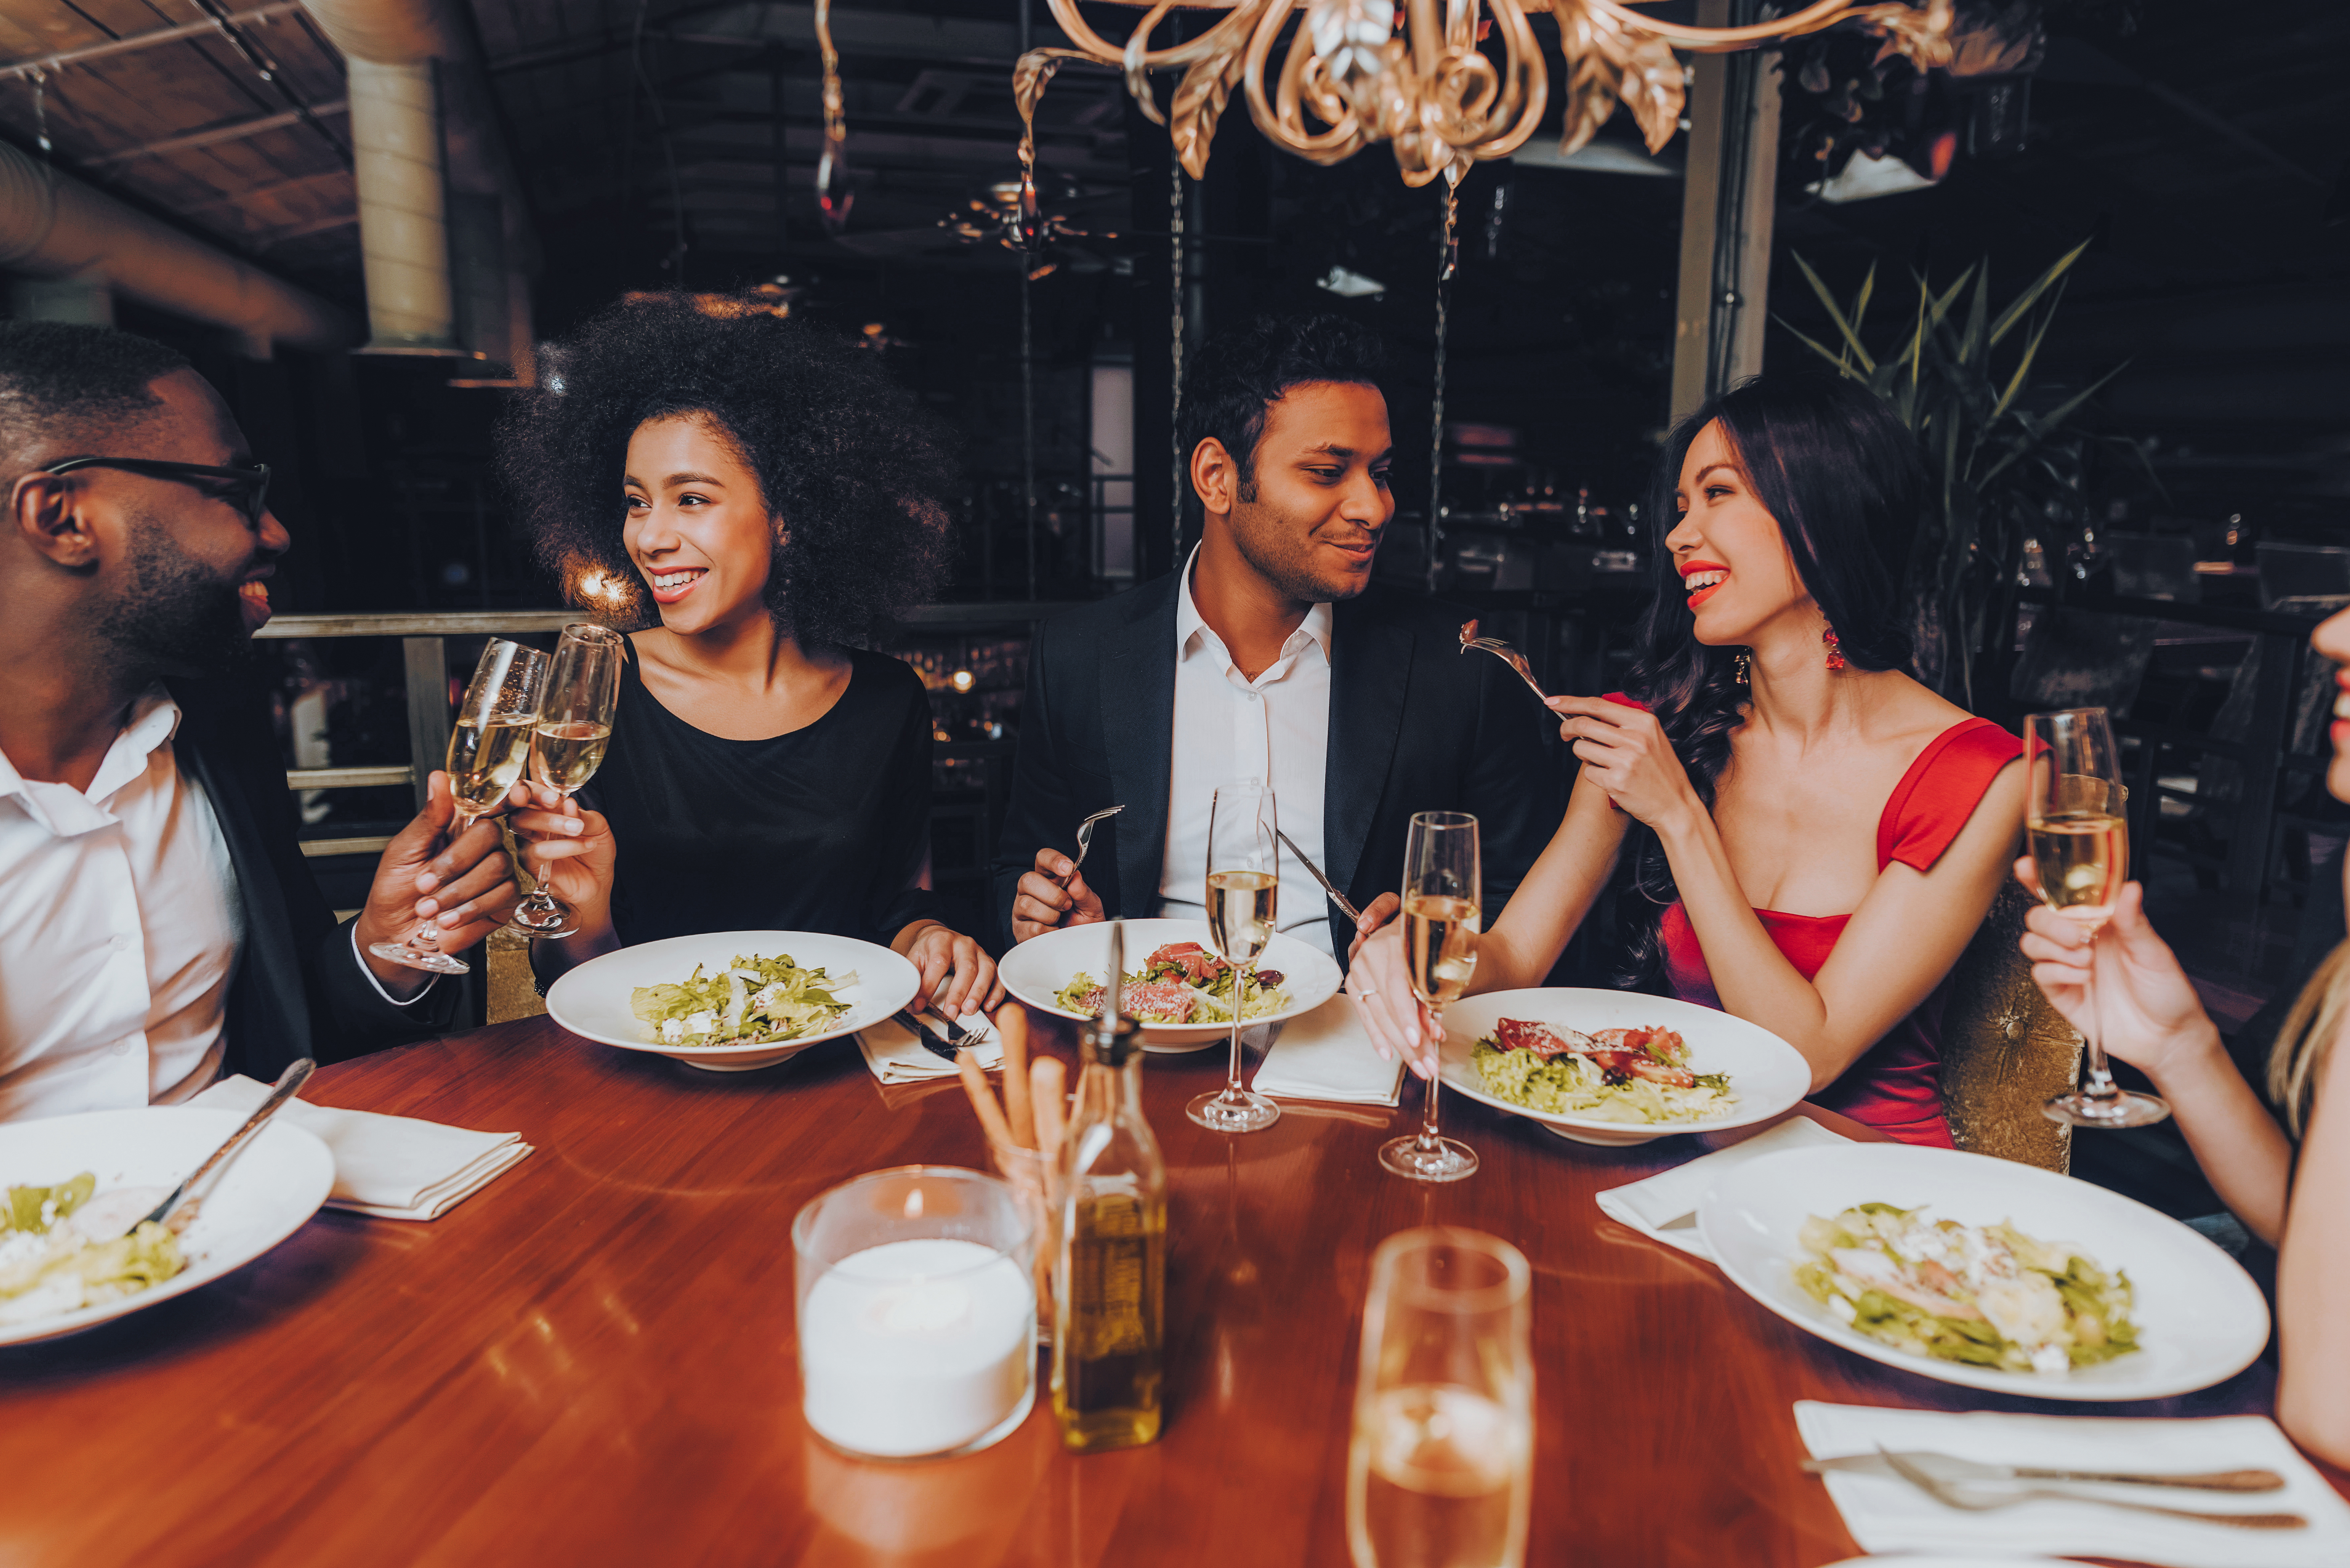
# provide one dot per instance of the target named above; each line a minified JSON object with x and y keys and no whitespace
{"x":823,"y":829}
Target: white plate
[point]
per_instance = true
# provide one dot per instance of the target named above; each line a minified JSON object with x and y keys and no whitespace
{"x":1766,"y":1073}
{"x":2200,"y":1319}
{"x":1036,"y":970}
{"x":258,"y":1198}
{"x":593,"y":1000}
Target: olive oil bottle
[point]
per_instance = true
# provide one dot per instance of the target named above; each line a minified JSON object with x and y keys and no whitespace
{"x":1109,"y":1300}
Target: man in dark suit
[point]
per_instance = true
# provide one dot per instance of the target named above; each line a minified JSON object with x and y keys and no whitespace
{"x":158,"y":924}
{"x":1270,"y":655}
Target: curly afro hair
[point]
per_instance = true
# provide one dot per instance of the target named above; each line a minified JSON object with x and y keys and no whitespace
{"x":850,"y":465}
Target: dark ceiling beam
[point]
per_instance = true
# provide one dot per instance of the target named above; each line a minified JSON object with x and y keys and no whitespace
{"x":242,"y":129}
{"x":874,"y":34}
{"x":210,"y":25}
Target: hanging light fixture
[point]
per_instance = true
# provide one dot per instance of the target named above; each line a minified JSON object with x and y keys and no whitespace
{"x":1361,"y":71}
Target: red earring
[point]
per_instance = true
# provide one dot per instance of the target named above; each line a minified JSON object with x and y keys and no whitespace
{"x":1836,"y":653}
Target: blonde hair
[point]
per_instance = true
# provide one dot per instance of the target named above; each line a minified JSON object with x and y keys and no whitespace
{"x":2318,"y":1016}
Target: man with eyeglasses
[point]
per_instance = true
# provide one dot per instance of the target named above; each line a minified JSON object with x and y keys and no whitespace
{"x":158,"y":923}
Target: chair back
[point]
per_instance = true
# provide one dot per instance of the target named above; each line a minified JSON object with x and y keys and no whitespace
{"x":2005,"y":1051}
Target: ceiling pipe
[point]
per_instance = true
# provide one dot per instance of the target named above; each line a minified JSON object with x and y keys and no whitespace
{"x":53,"y":226}
{"x":443,"y":233}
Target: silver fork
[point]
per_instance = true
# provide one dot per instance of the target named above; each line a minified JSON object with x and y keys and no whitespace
{"x":1950,"y":1495}
{"x":1503,"y":652}
{"x":1085,"y":832}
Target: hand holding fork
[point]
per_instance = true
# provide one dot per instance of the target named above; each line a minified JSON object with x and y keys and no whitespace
{"x":1053,"y":893}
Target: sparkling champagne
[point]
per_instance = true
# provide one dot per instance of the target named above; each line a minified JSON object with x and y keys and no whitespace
{"x":1437,"y":1477}
{"x":487,"y":758}
{"x":566,"y":753}
{"x":2082,"y":859}
{"x":1241,"y":911}
{"x":1439,"y":938}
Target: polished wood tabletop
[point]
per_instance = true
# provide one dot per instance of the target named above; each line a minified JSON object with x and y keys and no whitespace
{"x":591,"y":1361}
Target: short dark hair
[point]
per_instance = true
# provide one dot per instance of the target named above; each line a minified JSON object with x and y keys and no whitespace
{"x":1235,"y":377}
{"x":56,"y":376}
{"x":846,"y":457}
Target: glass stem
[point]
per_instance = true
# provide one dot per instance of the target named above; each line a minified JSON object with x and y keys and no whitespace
{"x":1431,"y":1140}
{"x":2098,"y":1078}
{"x":1240,"y":1005}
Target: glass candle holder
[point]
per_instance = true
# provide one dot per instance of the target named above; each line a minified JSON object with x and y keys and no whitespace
{"x":917,"y":1313}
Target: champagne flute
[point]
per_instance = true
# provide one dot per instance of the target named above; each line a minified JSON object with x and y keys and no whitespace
{"x":566,"y":747}
{"x":487,"y":748}
{"x":1243,"y":891}
{"x":1441,"y":1470}
{"x":1440,"y":921}
{"x":2080,"y":848}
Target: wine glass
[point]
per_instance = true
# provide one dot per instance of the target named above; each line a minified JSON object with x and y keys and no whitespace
{"x":566,"y":747}
{"x":487,"y":747}
{"x":2079,"y":839}
{"x":1244,"y":890}
{"x":1440,"y":1470}
{"x":1440,"y":921}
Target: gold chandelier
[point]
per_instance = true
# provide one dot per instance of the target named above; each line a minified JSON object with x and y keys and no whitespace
{"x":1361,"y":71}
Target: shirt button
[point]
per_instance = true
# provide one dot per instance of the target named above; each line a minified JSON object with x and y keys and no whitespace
{"x":119,"y":1048}
{"x":119,"y":943}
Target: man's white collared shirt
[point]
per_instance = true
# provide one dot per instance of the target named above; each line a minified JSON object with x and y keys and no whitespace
{"x":1229,"y":729}
{"x":120,"y":923}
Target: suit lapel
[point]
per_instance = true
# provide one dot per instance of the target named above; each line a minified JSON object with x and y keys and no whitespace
{"x":1370,"y":670}
{"x":1138,"y":726}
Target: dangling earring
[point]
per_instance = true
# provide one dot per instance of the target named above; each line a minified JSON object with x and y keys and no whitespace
{"x":1742,"y":668}
{"x":1836,"y":653}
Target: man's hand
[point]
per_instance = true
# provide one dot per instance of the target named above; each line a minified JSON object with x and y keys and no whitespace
{"x":470,"y":879}
{"x":1053,"y":894}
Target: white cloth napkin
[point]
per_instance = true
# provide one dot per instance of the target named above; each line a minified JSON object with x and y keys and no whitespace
{"x":396,"y":1167}
{"x":1325,"y":1055}
{"x":1887,"y":1513}
{"x":1665,"y":1206}
{"x":896,"y":1057}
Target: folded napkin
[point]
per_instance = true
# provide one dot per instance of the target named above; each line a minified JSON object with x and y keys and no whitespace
{"x":1887,"y":1513}
{"x":1665,"y":1206}
{"x":896,"y":1057}
{"x":1325,"y":1055}
{"x":396,"y":1167}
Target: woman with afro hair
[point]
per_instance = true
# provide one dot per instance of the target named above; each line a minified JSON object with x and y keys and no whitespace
{"x":751,"y":499}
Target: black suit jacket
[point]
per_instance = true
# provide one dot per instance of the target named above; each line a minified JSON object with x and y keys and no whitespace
{"x":297,"y":991}
{"x":1414,"y":726}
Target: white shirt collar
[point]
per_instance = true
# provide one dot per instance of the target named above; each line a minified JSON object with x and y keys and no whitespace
{"x":1192,"y":631}
{"x":64,"y":811}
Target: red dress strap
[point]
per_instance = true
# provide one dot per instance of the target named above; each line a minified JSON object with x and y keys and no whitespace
{"x":1939,"y":793}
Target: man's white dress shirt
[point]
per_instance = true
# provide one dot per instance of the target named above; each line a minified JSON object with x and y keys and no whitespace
{"x":120,"y":925}
{"x":1229,"y":729}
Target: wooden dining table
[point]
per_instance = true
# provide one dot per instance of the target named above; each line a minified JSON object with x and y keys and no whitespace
{"x":591,"y":1361}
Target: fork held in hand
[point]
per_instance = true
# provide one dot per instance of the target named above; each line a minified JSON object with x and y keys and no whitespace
{"x":1503,"y":652}
{"x":1086,"y":832}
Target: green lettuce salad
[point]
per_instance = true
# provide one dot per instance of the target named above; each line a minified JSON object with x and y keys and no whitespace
{"x":1987,"y":1295}
{"x":50,"y":1265}
{"x":752,"y":1001}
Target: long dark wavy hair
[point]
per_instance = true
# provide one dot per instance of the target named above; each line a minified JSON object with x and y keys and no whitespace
{"x":1840,"y":475}
{"x":847,"y":459}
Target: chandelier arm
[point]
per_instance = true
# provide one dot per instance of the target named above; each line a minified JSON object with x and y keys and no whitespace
{"x":1102,"y":52}
{"x":1137,"y":46}
{"x":1286,"y":129}
{"x":1526,"y":49}
{"x":1812,"y":19}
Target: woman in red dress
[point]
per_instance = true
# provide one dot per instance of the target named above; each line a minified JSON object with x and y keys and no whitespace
{"x":1820,"y":833}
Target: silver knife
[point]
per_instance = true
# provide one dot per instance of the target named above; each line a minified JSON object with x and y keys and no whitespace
{"x":1316,"y":872}
{"x":905,"y":1018}
{"x":1943,"y":1466}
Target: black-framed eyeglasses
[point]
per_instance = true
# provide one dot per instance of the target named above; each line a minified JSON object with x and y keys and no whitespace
{"x":247,"y":488}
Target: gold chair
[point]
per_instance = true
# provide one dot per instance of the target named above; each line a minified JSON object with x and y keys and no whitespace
{"x":2006,"y":1052}
{"x":512,"y":993}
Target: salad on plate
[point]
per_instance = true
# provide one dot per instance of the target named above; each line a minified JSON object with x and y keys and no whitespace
{"x":1987,"y":1295}
{"x":65,"y":1247}
{"x":1635,"y":1075}
{"x":1183,"y":983}
{"x":752,"y":1001}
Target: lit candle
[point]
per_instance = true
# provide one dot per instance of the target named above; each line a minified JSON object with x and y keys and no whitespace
{"x":917,"y":1347}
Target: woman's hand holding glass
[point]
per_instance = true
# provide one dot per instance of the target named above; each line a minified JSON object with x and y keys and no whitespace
{"x":1379,"y":981}
{"x":1624,"y":750}
{"x":570,"y":852}
{"x":2150,"y":1014}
